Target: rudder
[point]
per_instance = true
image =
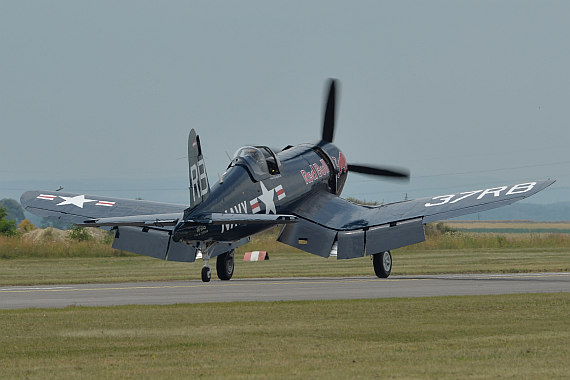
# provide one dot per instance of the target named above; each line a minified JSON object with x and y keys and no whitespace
{"x":199,"y":186}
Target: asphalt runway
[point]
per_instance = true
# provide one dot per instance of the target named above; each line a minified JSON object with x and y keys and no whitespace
{"x":162,"y":293}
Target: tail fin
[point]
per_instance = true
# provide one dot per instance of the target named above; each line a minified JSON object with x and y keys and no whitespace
{"x":199,"y":186}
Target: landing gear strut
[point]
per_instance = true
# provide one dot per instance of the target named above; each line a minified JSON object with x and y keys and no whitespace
{"x":206,"y":250}
{"x":225,"y":265}
{"x":382,"y":264}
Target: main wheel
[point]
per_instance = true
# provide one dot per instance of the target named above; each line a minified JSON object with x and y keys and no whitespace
{"x":206,"y":274}
{"x":225,"y":265}
{"x":382,"y":264}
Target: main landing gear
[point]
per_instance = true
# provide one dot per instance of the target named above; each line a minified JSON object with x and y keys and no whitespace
{"x":225,"y":265}
{"x":382,"y":264}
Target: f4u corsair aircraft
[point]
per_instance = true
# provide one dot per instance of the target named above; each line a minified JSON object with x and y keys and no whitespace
{"x":298,"y":187}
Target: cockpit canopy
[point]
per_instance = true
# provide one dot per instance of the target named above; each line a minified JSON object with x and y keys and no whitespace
{"x":259,"y":160}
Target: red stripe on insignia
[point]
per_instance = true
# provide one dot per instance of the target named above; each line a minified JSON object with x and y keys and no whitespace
{"x":103,"y":203}
{"x":254,"y":203}
{"x":45,"y":196}
{"x":280,"y":192}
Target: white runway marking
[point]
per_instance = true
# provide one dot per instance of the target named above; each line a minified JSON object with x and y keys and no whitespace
{"x":29,"y":288}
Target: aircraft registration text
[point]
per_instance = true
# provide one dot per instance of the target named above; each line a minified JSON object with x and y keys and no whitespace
{"x":495,"y":191}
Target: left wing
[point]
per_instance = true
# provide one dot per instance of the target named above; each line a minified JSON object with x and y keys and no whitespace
{"x":325,"y":219}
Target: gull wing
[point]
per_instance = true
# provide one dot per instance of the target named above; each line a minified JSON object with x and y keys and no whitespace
{"x":128,"y":216}
{"x":325,"y":219}
{"x":340,"y":214}
{"x":82,"y":208}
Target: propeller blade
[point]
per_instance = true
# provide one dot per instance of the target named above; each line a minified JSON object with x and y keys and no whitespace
{"x":329,"y":117}
{"x":384,"y":172}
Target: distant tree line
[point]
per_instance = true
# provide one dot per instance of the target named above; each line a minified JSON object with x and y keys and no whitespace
{"x":15,"y":212}
{"x":7,"y":226}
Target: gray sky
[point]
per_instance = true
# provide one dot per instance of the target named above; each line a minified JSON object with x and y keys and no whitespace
{"x":99,"y":97}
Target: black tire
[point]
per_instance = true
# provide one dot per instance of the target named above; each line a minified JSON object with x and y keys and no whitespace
{"x":382,"y":264}
{"x":225,"y":265}
{"x":206,"y":274}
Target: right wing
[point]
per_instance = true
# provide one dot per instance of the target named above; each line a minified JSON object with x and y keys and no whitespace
{"x":97,"y":211}
{"x":142,"y":227}
{"x":128,"y":216}
{"x":79,"y":208}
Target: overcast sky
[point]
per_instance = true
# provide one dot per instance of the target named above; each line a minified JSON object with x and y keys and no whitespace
{"x":99,"y":96}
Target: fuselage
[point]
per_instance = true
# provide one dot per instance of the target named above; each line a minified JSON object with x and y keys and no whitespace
{"x":252,"y":186}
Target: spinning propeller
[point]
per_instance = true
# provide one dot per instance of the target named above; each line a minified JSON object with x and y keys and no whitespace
{"x":328,"y":134}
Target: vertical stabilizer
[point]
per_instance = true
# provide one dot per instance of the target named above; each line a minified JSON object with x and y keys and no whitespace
{"x":199,"y":186}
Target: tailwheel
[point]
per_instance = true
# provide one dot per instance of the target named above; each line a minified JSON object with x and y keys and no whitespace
{"x":206,"y":274}
{"x":382,"y":264}
{"x":225,"y":265}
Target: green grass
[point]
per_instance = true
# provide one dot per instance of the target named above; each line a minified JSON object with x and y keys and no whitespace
{"x":18,"y":247}
{"x":514,"y":230}
{"x":509,"y":226}
{"x":512,"y":336}
{"x":35,"y":271}
{"x":439,"y":237}
{"x":23,"y":262}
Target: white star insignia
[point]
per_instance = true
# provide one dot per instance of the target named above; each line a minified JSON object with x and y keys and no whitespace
{"x":267,"y":198}
{"x":78,"y":201}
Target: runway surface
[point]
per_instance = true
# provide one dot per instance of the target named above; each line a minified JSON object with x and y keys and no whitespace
{"x":161,"y":293}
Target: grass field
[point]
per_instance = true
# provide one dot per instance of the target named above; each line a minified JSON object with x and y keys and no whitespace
{"x":511,"y":336}
{"x":36,"y":271}
{"x":24,"y":262}
{"x":514,"y":336}
{"x":514,"y":226}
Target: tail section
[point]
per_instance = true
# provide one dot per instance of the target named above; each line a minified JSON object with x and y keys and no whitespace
{"x":199,"y":186}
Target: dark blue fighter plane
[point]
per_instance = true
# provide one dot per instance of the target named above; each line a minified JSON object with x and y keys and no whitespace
{"x":298,"y":188}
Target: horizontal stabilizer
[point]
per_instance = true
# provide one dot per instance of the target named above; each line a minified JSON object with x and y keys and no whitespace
{"x":226,"y":218}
